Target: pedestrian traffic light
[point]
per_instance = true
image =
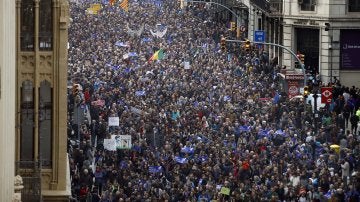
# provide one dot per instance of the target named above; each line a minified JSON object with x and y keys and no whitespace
{"x":306,"y":91}
{"x":223,"y":43}
{"x":232,"y":26}
{"x":247,"y":45}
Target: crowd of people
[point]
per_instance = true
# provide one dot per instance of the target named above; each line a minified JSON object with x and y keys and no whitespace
{"x":205,"y":124}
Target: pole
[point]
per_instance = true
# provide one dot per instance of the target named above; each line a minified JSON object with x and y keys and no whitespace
{"x":227,"y":8}
{"x":315,"y":95}
{"x":277,"y":45}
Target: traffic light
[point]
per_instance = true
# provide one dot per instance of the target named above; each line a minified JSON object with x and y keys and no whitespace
{"x":247,"y":45}
{"x":223,"y":43}
{"x":232,"y":26}
{"x":306,"y":91}
{"x":302,"y":58}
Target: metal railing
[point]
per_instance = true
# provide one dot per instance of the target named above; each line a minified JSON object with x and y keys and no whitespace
{"x":30,"y":171}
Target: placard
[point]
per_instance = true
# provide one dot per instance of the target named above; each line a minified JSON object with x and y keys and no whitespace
{"x":122,"y":141}
{"x":110,"y":144}
{"x":186,"y":65}
{"x":113,"y":121}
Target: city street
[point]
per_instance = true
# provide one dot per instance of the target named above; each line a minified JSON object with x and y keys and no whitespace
{"x":161,"y":109}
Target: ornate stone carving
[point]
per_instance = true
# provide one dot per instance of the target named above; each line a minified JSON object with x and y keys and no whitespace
{"x":27,"y":62}
{"x":45,"y":63}
{"x":18,"y":180}
{"x":18,"y":186}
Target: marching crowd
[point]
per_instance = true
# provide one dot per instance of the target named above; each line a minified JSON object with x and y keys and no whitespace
{"x":206,"y":124}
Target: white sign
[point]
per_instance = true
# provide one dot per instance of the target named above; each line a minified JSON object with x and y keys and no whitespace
{"x":110,"y":144}
{"x":113,"y":121}
{"x":122,"y":141}
{"x":187,"y":65}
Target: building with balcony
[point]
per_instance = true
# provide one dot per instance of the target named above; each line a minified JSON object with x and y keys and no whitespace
{"x":33,"y":67}
{"x":326,"y":32}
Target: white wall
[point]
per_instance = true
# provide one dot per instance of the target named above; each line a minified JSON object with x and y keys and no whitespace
{"x":7,"y":99}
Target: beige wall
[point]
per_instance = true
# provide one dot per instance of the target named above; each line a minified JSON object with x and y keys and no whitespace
{"x":7,"y":99}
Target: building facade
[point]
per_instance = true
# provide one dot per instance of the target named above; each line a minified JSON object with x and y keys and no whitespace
{"x":7,"y":99}
{"x":41,"y":89}
{"x":326,"y":32}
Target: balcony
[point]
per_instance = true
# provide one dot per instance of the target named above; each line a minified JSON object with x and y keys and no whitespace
{"x":276,"y":7}
{"x":262,"y":4}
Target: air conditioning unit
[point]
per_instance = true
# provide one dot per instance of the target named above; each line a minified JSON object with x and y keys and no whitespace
{"x":313,"y":2}
{"x":300,"y":1}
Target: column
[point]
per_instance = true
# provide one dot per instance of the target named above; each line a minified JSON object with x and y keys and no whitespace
{"x":7,"y":99}
{"x":287,"y":41}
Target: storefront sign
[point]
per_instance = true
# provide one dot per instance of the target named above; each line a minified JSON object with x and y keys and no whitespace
{"x":294,"y":76}
{"x":350,"y":49}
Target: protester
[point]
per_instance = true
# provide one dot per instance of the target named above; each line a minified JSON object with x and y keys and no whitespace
{"x":205,"y":124}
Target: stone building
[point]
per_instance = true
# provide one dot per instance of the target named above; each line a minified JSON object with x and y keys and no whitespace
{"x":33,"y":64}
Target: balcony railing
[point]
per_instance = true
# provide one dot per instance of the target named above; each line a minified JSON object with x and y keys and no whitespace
{"x":31,"y":176}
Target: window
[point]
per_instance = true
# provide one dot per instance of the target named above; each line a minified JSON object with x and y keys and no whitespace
{"x":45,"y":124}
{"x":27,"y":19}
{"x":307,"y":5}
{"x":354,"y":5}
{"x":27,"y":122}
{"x":45,"y":25}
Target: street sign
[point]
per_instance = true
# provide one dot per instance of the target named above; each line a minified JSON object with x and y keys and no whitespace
{"x":326,"y":95}
{"x":242,"y":28}
{"x":259,"y":36}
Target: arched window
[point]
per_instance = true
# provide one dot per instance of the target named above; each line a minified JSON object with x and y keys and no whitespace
{"x":45,"y":124}
{"x":27,"y":18}
{"x":45,"y":25}
{"x":27,"y":122}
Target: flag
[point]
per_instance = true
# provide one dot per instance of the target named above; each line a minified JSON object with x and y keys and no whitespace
{"x":121,"y":44}
{"x":125,"y":5}
{"x":245,"y":128}
{"x":178,"y":159}
{"x":187,"y":150}
{"x":140,"y":93}
{"x":111,"y":2}
{"x":155,"y":169}
{"x":158,"y":55}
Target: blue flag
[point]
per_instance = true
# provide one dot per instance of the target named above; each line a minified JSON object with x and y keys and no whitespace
{"x":140,"y":93}
{"x":146,"y":39}
{"x":187,"y":150}
{"x":121,"y":44}
{"x":181,"y":160}
{"x":245,"y":128}
{"x":155,"y":169}
{"x":132,"y":54}
{"x":276,"y":98}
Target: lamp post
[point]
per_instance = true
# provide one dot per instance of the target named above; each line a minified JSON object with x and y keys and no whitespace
{"x":316,"y":115}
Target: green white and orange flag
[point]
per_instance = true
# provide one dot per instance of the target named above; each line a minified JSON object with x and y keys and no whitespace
{"x":125,"y":5}
{"x":158,"y":55}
